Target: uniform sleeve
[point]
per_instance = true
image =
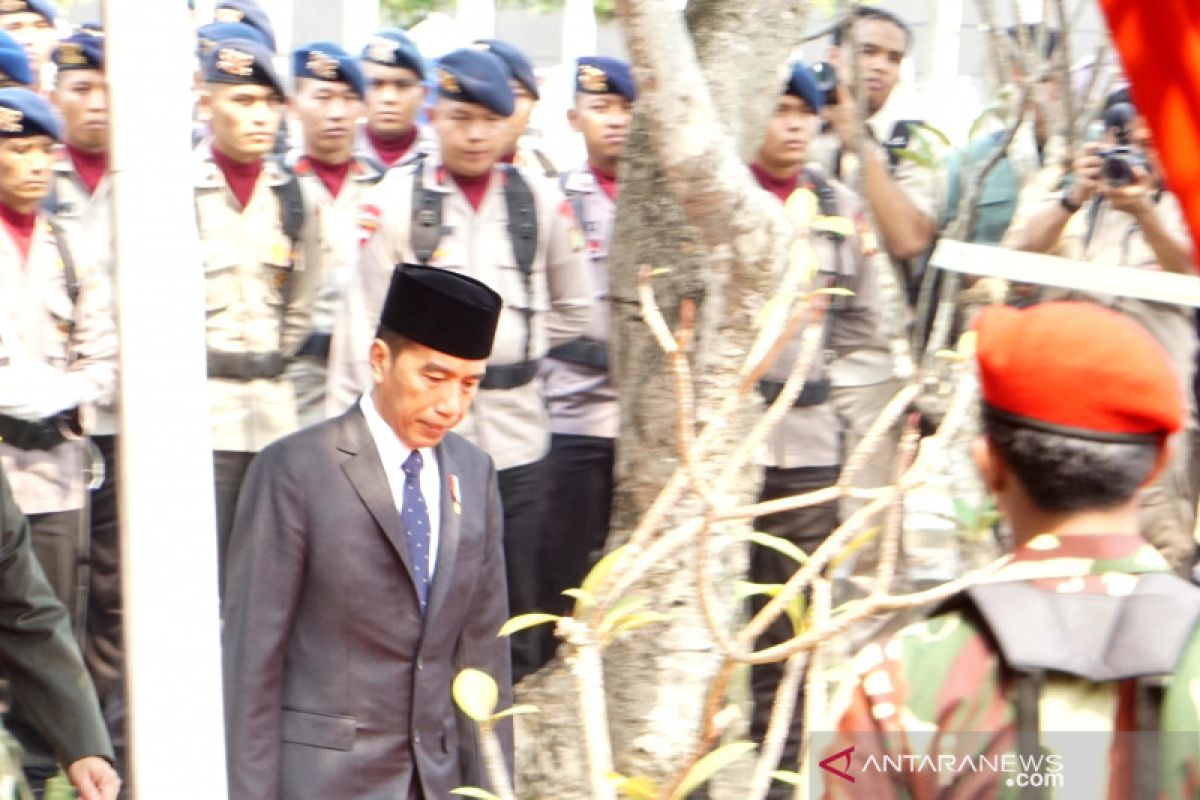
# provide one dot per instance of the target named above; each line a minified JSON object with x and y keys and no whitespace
{"x":920,"y":186}
{"x":366,"y":288}
{"x":267,"y":553}
{"x":38,"y":650}
{"x":568,"y":273}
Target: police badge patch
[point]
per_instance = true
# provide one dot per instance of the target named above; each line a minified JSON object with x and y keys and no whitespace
{"x":593,"y":79}
{"x":235,"y":62}
{"x":10,"y":120}
{"x":322,"y":65}
{"x":448,"y":83}
{"x":381,"y":50}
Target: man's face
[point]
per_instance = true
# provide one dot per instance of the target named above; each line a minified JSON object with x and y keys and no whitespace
{"x":33,"y":32}
{"x":394,"y":96}
{"x":603,"y":119}
{"x":791,"y":128}
{"x":471,"y":137}
{"x":327,"y":111}
{"x":523,"y":104}
{"x":422,"y":393}
{"x":245,"y":118}
{"x":25,"y":168}
{"x":881,"y":49}
{"x":81,"y":97}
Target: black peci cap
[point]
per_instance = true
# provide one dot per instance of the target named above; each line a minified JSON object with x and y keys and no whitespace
{"x":443,"y":310}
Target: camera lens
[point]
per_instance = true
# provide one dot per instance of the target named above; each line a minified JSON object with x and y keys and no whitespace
{"x":1117,"y":170}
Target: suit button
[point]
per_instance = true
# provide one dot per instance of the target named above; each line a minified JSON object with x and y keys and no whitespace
{"x":420,"y":664}
{"x":416,"y":738}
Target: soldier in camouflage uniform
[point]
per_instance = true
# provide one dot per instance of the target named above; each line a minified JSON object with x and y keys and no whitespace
{"x":1112,"y":656}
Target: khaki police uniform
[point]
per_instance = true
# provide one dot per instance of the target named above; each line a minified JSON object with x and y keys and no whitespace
{"x":336,"y":220}
{"x":510,"y":424}
{"x":865,"y":379}
{"x":1115,"y":239}
{"x":425,"y":144}
{"x":259,"y":289}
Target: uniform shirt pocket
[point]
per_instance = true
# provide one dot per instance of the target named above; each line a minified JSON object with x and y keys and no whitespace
{"x":331,"y":731}
{"x":60,"y":316}
{"x":275,"y":258}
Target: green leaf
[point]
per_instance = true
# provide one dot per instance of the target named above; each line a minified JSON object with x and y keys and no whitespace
{"x":636,"y":620}
{"x":603,"y":567}
{"x":476,"y":694}
{"x":654,"y":273}
{"x":518,"y":624}
{"x":471,"y":791}
{"x":788,"y":777}
{"x":915,"y":157}
{"x":745,"y":589}
{"x":854,"y":545}
{"x":640,"y":788}
{"x":514,"y":711}
{"x":710,"y":765}
{"x":778,"y":544}
{"x":977,"y":125}
{"x":837,"y":291}
{"x":583,"y":598}
{"x":919,"y":127}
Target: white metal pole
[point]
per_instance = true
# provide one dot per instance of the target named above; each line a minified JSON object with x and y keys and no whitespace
{"x":172,"y":631}
{"x":578,"y":31}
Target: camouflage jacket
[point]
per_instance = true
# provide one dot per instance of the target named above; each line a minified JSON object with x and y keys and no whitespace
{"x":932,"y":712}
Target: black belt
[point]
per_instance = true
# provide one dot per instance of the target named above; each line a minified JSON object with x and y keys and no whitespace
{"x":245,"y":366}
{"x":813,"y":394}
{"x":44,"y":434}
{"x":510,"y":376}
{"x":316,"y":345}
{"x":585,"y":352}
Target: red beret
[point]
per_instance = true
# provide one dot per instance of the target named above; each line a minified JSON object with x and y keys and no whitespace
{"x":1078,"y":369}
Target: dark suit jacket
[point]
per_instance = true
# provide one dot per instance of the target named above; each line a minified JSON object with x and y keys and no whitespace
{"x":335,"y":686}
{"x":38,"y":650}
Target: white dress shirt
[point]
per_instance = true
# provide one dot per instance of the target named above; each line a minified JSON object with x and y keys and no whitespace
{"x":392,"y":455}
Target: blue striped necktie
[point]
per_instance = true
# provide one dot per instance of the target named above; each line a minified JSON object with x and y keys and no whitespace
{"x":415,"y":518}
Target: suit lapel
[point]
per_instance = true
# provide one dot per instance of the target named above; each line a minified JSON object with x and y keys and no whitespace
{"x":448,"y":535}
{"x":365,"y":471}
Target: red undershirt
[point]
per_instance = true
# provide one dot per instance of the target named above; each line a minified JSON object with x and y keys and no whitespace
{"x":19,"y":226}
{"x":332,"y":175}
{"x":473,"y":186}
{"x":89,"y":166}
{"x":240,"y":177}
{"x":607,"y":182}
{"x":509,"y":158}
{"x":391,"y":151}
{"x":780,"y":187}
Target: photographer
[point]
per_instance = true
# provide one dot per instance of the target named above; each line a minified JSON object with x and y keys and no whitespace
{"x":1115,"y":210}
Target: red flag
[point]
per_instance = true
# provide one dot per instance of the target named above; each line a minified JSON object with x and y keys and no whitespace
{"x":1159,"y":44}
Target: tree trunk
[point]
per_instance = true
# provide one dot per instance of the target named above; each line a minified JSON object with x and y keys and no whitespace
{"x":704,"y":99}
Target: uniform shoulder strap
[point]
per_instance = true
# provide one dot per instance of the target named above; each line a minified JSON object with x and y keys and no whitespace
{"x":425,"y":230}
{"x":70,"y":273}
{"x":898,"y":139}
{"x":291,"y":205}
{"x":522,"y":218}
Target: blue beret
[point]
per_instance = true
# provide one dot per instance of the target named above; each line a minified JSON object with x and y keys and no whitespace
{"x":391,"y":47}
{"x":473,"y":76}
{"x":14,"y":62}
{"x":241,"y":61}
{"x":207,"y":36}
{"x":24,"y":113}
{"x":326,"y":61}
{"x":803,"y":84}
{"x":79,"y":51}
{"x":604,"y":75}
{"x":517,"y":62}
{"x":247,"y":12}
{"x":43,"y":7}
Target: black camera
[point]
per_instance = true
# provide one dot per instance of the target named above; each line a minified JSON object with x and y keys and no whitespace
{"x":827,"y":81}
{"x":1120,"y":161}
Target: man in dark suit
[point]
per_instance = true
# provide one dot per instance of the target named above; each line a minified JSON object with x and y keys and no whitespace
{"x":366,"y":569}
{"x":45,"y":666}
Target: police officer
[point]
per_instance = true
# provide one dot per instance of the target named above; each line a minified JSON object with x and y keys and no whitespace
{"x":580,"y":397}
{"x":261,"y":265}
{"x":395,"y":91}
{"x":462,"y":210}
{"x":329,"y":91}
{"x":1134,"y":222}
{"x":520,"y":148}
{"x":32,"y":24}
{"x":1082,"y":629}
{"x":57,"y":362}
{"x":81,"y":200}
{"x":805,"y":451}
